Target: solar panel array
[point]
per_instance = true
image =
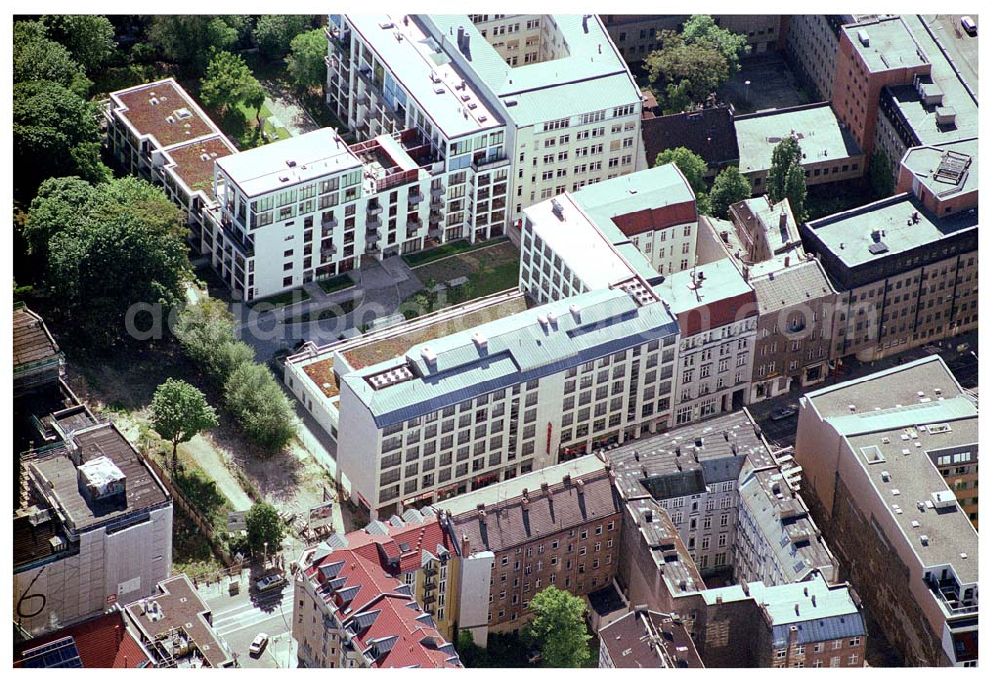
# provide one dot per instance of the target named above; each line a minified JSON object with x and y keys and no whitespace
{"x":59,"y":653}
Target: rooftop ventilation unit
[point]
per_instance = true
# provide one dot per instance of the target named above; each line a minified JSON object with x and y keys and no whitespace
{"x":439,"y":90}
{"x":386,"y":25}
{"x":290,"y":163}
{"x":943,"y":499}
{"x":924,"y":540}
{"x":479,"y":340}
{"x":481,"y":118}
{"x":864,"y":38}
{"x":101,"y":478}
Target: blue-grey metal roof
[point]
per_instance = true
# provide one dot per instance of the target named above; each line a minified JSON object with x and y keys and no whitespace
{"x":822,"y":629}
{"x":518,"y":348}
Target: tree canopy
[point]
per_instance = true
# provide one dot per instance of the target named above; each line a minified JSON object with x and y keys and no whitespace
{"x":189,"y":39}
{"x":274,"y":33}
{"x":59,"y":202}
{"x":880,"y":175}
{"x":730,"y":187}
{"x":786,"y":178}
{"x":90,"y":38}
{"x":691,"y":65}
{"x":701,"y":29}
{"x":558,"y":626}
{"x":691,"y":165}
{"x":206,"y":331}
{"x":305,"y":62}
{"x":260,"y":406}
{"x":55,"y":135}
{"x":179,"y":412}
{"x":229,"y":82}
{"x":38,"y":58}
{"x":123,"y":246}
{"x":264,"y":527}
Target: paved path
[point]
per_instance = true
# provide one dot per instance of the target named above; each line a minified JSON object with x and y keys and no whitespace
{"x":211,"y":461}
{"x":286,"y":108}
{"x":381,"y":288}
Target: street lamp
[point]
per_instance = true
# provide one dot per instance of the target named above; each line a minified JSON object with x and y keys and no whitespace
{"x":265,"y":555}
{"x":746,"y":91}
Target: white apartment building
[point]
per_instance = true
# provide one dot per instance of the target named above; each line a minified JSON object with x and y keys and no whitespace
{"x":551,"y":96}
{"x":642,"y":224}
{"x":157,"y":132}
{"x":321,"y":204}
{"x":717,"y":315}
{"x":96,"y":529}
{"x":457,"y":412}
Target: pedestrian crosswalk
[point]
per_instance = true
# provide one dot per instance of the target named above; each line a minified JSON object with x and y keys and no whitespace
{"x":247,"y":616}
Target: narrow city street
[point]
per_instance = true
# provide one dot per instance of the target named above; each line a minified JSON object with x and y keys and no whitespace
{"x":238,"y":618}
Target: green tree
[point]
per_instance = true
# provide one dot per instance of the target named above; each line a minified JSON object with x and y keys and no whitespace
{"x":691,"y":165}
{"x":179,"y":412}
{"x":786,"y":154}
{"x":229,"y":82}
{"x":880,"y":175}
{"x":207,"y":334}
{"x":90,"y":38}
{"x":795,"y":192}
{"x":305,"y":62}
{"x":558,"y":627}
{"x":274,"y":33}
{"x":259,"y":405}
{"x":58,"y":203}
{"x":125,"y":247}
{"x":37,"y":58}
{"x":55,"y":135}
{"x":189,"y":39}
{"x":730,"y":187}
{"x":701,"y":29}
{"x":683,"y":74}
{"x":264,"y":529}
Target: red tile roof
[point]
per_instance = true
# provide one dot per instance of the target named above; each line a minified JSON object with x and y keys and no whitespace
{"x":634,"y":223}
{"x":101,"y":642}
{"x":717,"y":314}
{"x":363,"y":566}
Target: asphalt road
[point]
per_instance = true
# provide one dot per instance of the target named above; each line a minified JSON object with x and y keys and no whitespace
{"x":239,"y":618}
{"x":963,"y":48}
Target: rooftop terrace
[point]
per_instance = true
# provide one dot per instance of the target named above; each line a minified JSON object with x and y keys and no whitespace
{"x":946,"y":170}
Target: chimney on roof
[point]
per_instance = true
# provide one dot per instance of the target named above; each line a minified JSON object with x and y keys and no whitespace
{"x":796,"y":609}
{"x":466,"y":546}
{"x":567,"y":479}
{"x":461,"y":38}
{"x":788,"y":261}
{"x":814,"y":600}
{"x":783,"y":220}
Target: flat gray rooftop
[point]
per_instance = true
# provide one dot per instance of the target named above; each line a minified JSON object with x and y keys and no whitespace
{"x":814,"y":126}
{"x":142,"y":490}
{"x":848,"y":234}
{"x":885,"y":389}
{"x":891,"y":45}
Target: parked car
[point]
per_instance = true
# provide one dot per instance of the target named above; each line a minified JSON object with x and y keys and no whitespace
{"x":969,"y":24}
{"x":258,"y":644}
{"x":782,"y":413}
{"x":270,"y":582}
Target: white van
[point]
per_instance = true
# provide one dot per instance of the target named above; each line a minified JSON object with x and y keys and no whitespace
{"x":969,"y":25}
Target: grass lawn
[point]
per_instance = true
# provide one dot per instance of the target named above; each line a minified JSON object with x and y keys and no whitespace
{"x":446,"y":250}
{"x":489,"y":271}
{"x":467,"y":263}
{"x":341,"y":282}
{"x":192,"y":553}
{"x":281,"y":299}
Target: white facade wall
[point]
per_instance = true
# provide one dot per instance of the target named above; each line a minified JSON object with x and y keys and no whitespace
{"x":707,"y":523}
{"x":671,"y":249}
{"x":464,"y":213}
{"x":509,"y":432}
{"x":713,"y":371}
{"x":473,"y":605}
{"x":562,"y":156}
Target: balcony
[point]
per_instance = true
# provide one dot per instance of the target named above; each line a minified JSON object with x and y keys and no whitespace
{"x":374,"y":209}
{"x":481,"y":164}
{"x":415,"y":198}
{"x":365,"y":74}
